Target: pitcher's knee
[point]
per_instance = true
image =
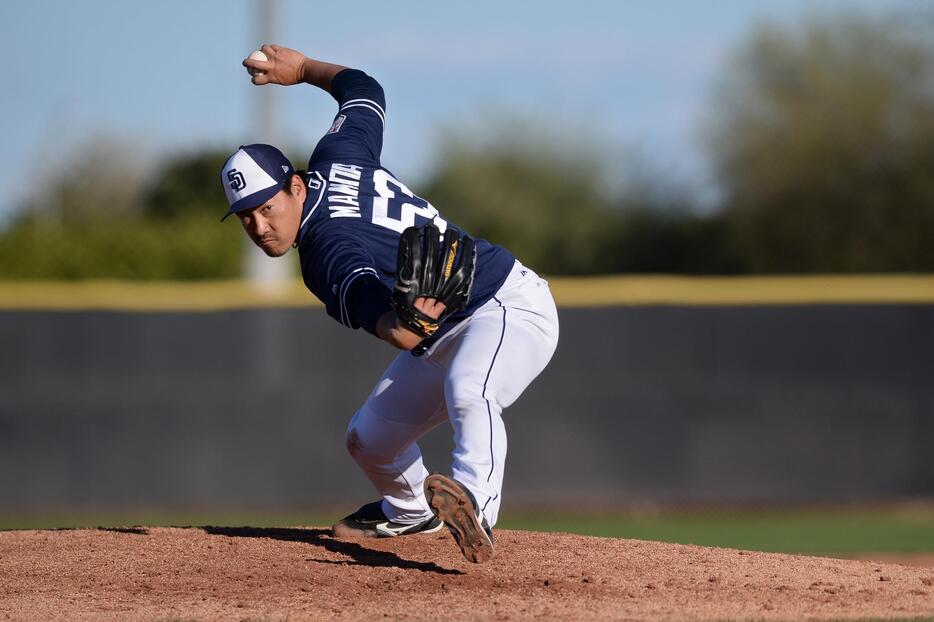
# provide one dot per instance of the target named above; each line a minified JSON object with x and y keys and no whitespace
{"x":364,"y":453}
{"x":354,"y":446}
{"x":369,"y":444}
{"x":359,"y":446}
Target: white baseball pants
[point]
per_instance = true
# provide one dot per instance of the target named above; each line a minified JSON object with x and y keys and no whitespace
{"x":468,"y":377}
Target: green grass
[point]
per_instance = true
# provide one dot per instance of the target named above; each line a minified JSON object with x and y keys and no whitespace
{"x":829,"y":532}
{"x":817,"y":532}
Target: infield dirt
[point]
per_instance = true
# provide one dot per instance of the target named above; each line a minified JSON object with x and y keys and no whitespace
{"x":230,"y":573}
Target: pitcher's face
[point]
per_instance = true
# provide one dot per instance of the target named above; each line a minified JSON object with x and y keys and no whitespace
{"x":273,"y":225}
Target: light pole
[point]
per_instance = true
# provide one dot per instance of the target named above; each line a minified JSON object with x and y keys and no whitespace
{"x":270,"y":277}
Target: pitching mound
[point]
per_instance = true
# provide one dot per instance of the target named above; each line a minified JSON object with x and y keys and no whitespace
{"x":302,"y":573}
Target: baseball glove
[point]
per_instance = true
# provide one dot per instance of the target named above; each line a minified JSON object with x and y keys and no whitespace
{"x":432,"y":267}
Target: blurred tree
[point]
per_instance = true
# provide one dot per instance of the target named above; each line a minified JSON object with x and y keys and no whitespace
{"x":823,"y":141}
{"x":121,"y":247}
{"x":103,"y":175}
{"x":664,"y":240}
{"x":187,"y":184}
{"x":566,"y":205}
{"x":98,"y":217}
{"x":549,"y":207}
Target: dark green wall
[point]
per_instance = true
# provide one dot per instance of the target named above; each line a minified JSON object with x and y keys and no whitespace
{"x":736,"y":404}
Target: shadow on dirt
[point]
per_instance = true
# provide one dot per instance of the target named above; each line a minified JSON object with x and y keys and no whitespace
{"x":139,"y":531}
{"x":360,"y":555}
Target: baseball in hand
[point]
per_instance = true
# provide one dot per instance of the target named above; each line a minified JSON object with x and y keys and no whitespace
{"x":257,"y":55}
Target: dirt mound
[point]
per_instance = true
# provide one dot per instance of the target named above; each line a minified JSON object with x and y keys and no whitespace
{"x":209,"y":573}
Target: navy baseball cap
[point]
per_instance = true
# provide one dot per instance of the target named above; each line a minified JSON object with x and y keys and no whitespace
{"x":253,"y":175}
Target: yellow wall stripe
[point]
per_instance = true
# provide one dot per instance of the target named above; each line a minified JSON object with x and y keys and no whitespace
{"x":778,"y":290}
{"x":569,"y":292}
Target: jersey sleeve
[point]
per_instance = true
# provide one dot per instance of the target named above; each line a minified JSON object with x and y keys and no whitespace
{"x":356,"y":135}
{"x":342,"y":275}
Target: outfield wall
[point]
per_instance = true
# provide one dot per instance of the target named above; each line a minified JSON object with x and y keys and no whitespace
{"x":737,"y":403}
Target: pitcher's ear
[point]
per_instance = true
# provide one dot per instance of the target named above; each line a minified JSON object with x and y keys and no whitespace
{"x":297,"y":186}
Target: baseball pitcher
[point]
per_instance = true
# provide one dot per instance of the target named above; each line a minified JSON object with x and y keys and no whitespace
{"x":473,"y":324}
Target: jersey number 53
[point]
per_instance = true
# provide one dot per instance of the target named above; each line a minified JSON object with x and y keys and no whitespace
{"x":384,"y":184}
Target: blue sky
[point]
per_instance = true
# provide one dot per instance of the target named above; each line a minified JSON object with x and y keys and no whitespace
{"x":166,"y":76}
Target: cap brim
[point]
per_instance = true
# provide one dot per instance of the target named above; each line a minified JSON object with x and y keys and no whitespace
{"x":254,"y":200}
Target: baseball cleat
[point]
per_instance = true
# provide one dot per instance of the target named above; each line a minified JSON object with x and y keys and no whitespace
{"x":370,"y":522}
{"x":457,"y":508}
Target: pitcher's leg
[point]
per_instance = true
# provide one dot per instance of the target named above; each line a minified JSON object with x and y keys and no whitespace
{"x":479,"y":439}
{"x":504,"y":348}
{"x":406,"y":403}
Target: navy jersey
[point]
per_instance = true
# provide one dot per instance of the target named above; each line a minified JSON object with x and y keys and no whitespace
{"x":356,"y":210}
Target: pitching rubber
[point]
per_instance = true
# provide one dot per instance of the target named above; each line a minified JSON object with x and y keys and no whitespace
{"x":453,"y":505}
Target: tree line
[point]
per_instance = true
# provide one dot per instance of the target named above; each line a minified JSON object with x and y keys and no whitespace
{"x":820,"y":137}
